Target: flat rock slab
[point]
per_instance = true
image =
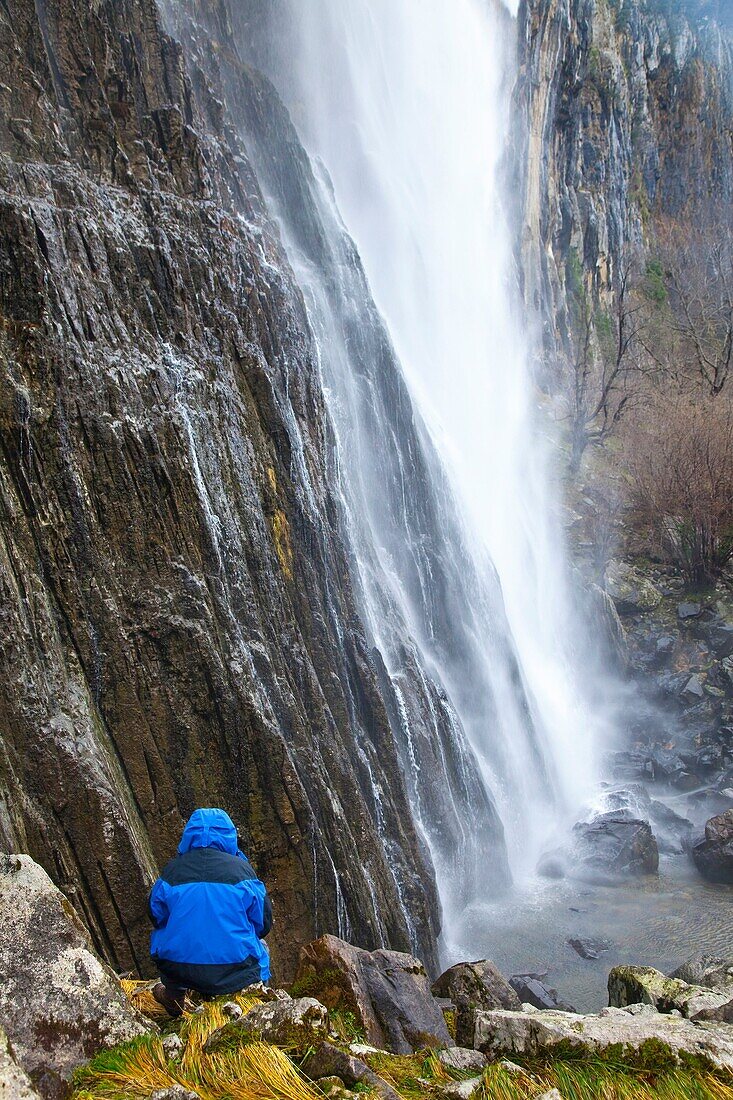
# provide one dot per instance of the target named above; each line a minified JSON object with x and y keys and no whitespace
{"x":388,"y":991}
{"x":59,"y":1003}
{"x":500,"y":1033}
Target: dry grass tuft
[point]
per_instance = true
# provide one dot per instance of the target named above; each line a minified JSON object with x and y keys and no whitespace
{"x":251,"y":1071}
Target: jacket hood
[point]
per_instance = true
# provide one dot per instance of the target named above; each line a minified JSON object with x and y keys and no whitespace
{"x":209,"y":829}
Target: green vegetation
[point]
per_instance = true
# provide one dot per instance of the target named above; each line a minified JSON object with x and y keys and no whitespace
{"x":242,"y":1069}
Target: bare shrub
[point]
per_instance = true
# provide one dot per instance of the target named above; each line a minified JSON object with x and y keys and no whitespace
{"x":680,"y":458}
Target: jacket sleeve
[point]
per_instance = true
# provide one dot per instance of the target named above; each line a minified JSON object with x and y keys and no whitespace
{"x":157,"y":904}
{"x":259,"y":910}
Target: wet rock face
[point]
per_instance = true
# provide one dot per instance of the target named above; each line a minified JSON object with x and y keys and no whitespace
{"x":59,"y":1003}
{"x":388,"y":992}
{"x":178,"y":624}
{"x":628,"y":115}
{"x":713,"y":855}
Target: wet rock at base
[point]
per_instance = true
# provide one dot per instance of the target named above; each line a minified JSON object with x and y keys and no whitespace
{"x":709,"y":971}
{"x":474,"y":985}
{"x":328,"y":1060}
{"x":60,"y":1004}
{"x":633,"y":985}
{"x":499,"y":1033}
{"x":713,"y":854}
{"x":615,"y":843}
{"x":388,"y":992}
{"x":531,"y":990}
{"x":588,"y":949}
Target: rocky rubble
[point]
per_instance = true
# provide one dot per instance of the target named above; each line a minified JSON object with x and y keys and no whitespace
{"x":316,"y":1042}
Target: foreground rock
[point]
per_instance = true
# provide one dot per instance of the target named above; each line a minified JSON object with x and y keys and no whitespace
{"x":292,"y":1024}
{"x":474,"y":985}
{"x":15,"y":1084}
{"x":713,"y":855}
{"x":328,"y":1060}
{"x":388,"y":992}
{"x":631,"y":985}
{"x":58,"y":1002}
{"x":499,"y":1033}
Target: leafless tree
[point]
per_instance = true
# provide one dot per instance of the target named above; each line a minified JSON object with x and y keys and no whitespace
{"x":608,"y":367}
{"x":698,"y":266}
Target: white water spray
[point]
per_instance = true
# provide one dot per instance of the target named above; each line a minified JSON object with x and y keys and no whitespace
{"x":407,"y":106}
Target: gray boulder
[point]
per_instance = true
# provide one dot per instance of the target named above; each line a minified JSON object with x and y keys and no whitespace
{"x":709,"y":971}
{"x":388,"y":991}
{"x":328,"y":1060}
{"x":614,"y":844}
{"x":59,"y":1003}
{"x":531,"y":990}
{"x":713,"y":854}
{"x":15,"y":1084}
{"x":462,"y":1059}
{"x":474,"y":985}
{"x":499,"y":1033}
{"x":633,"y":985}
{"x":629,"y":589}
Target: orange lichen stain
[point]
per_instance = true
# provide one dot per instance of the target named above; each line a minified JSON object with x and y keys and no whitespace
{"x":283,"y":544}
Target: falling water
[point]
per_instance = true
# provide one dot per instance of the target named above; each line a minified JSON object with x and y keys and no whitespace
{"x":404,"y":109}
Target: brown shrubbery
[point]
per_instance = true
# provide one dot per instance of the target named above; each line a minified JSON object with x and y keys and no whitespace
{"x":679,"y":454}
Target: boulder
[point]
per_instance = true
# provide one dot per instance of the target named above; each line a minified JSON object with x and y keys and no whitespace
{"x":499,"y":1033}
{"x":328,"y":1060}
{"x":629,"y":589}
{"x":531,"y":990}
{"x":713,"y":855}
{"x":462,"y":1090}
{"x":633,"y":985}
{"x":615,"y":843}
{"x":60,"y":1004}
{"x":388,"y":992}
{"x":462,"y":1059}
{"x":474,"y":985}
{"x":15,"y":1084}
{"x":588,"y":949}
{"x":293,"y":1024}
{"x":709,"y":971}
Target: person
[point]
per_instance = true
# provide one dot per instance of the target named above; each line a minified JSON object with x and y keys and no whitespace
{"x":210,"y":914}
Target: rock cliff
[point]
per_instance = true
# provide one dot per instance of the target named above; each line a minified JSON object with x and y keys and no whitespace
{"x":625,"y":116}
{"x":178,"y":618}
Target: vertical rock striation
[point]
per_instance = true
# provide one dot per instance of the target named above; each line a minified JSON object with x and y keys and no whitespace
{"x":178,"y":621}
{"x":626,"y":115}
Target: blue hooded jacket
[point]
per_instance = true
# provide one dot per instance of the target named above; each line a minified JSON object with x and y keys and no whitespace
{"x":210,"y":912}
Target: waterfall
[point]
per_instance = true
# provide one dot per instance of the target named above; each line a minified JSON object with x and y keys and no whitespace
{"x":440,"y":455}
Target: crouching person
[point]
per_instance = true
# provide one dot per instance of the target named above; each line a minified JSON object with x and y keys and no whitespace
{"x":210,"y":914}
